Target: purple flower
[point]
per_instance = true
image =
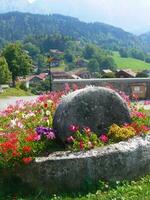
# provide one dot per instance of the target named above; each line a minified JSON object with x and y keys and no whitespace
{"x":45,"y":131}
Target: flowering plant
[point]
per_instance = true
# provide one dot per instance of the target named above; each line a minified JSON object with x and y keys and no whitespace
{"x":84,"y":139}
{"x":25,"y":130}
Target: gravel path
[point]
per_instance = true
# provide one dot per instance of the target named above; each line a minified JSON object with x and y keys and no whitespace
{"x":5,"y":102}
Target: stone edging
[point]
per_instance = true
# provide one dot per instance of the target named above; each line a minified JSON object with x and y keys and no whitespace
{"x":63,"y":171}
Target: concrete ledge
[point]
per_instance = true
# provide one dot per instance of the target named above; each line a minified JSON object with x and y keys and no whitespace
{"x":63,"y":171}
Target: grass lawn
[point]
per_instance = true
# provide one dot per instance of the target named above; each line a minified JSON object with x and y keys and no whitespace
{"x":135,"y":190}
{"x":126,"y":63}
{"x":14,"y":92}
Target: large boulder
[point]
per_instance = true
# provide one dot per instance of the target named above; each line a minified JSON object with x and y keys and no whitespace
{"x":94,"y":107}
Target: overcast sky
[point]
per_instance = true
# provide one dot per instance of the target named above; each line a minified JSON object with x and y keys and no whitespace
{"x":132,"y":15}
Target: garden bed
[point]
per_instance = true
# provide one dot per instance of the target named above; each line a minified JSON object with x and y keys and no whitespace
{"x":29,"y":148}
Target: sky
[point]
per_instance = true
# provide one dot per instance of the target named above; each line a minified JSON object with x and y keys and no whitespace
{"x":131,"y":15}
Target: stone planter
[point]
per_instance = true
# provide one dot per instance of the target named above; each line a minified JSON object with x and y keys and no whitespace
{"x":67,"y":171}
{"x":64,"y":171}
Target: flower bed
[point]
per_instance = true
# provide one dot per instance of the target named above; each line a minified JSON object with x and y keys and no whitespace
{"x":26,"y":130}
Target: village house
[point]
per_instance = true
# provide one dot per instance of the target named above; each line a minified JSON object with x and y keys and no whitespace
{"x":106,"y":71}
{"x":125,"y":73}
{"x":55,"y":52}
{"x":80,"y":74}
{"x":61,"y":75}
{"x":55,"y":62}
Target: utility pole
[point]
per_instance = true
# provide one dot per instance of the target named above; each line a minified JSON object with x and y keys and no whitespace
{"x":50,"y":72}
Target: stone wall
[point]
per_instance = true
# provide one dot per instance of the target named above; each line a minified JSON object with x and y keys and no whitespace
{"x":66,"y":171}
{"x":139,"y":86}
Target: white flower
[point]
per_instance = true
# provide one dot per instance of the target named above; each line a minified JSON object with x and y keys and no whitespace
{"x":48,"y":112}
{"x":13,"y":123}
{"x":49,"y":101}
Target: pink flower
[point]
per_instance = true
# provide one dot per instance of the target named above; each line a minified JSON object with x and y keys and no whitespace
{"x":70,"y":139}
{"x":75,"y":87}
{"x":73,"y":128}
{"x":37,"y":137}
{"x":103,"y":138}
{"x":67,"y":88}
{"x":87,"y":130}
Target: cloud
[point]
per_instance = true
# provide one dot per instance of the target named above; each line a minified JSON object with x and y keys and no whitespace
{"x":31,"y":1}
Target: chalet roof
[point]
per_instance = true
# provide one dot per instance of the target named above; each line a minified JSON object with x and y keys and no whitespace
{"x":106,"y":71}
{"x":56,"y":51}
{"x":128,"y":71}
{"x":78,"y":72}
{"x":56,"y":74}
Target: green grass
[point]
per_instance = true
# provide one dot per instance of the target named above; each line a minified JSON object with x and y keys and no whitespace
{"x":14,"y":92}
{"x":126,"y":63}
{"x":135,"y":190}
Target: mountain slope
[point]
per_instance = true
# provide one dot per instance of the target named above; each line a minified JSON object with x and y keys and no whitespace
{"x":17,"y":26}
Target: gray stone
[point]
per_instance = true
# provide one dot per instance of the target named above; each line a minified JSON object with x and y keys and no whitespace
{"x":64,"y":171}
{"x":95,"y":107}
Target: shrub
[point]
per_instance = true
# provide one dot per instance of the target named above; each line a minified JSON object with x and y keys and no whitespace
{"x":118,"y":134}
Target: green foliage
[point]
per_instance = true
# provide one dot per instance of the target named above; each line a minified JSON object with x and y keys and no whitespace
{"x":109,"y":75}
{"x":14,"y":92}
{"x":142,"y":74}
{"x":68,"y":56}
{"x":83,"y":139}
{"x":123,"y":53}
{"x":90,"y":51}
{"x":19,"y":62}
{"x":93,"y":65}
{"x":108,"y":63}
{"x":5,"y":74}
{"x":132,"y":63}
{"x":136,"y":53}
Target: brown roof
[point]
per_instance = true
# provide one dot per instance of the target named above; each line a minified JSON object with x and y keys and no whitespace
{"x":128,"y":71}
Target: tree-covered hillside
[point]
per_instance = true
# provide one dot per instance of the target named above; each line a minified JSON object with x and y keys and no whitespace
{"x":17,"y":26}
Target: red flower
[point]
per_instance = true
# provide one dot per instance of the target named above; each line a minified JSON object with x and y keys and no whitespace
{"x":45,"y":105}
{"x":15,"y":154}
{"x":26,"y":149}
{"x":103,"y":138}
{"x":26,"y":161}
{"x":31,"y":138}
{"x":81,"y":145}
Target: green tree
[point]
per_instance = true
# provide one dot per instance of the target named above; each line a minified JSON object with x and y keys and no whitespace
{"x":93,"y":65}
{"x":90,"y":51}
{"x":19,"y":62}
{"x":142,"y":74}
{"x":123,"y":53}
{"x":32,"y":49}
{"x":138,"y":54}
{"x":5,"y":74}
{"x":108,"y":63}
{"x":68,"y":56}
